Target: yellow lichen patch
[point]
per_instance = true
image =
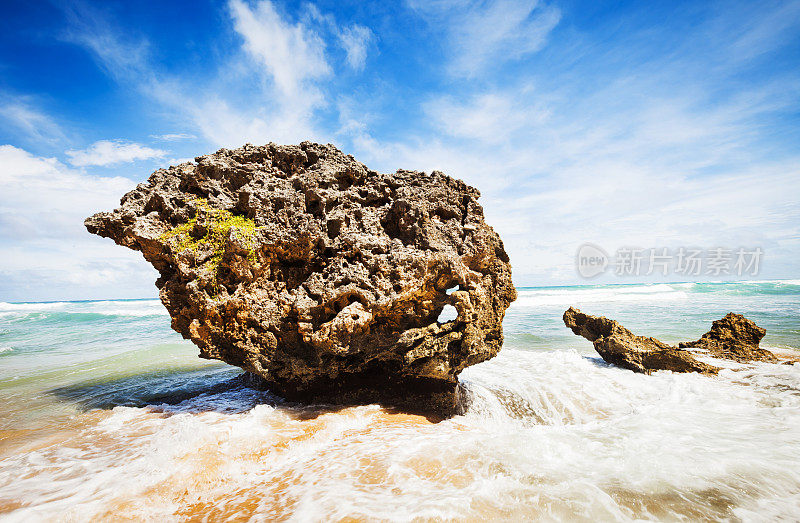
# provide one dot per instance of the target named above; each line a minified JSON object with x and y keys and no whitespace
{"x":212,"y":228}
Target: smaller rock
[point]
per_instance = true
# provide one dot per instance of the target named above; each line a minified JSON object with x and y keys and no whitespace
{"x":734,"y":337}
{"x":619,"y":346}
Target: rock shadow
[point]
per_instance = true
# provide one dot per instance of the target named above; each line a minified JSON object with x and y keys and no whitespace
{"x":227,"y":391}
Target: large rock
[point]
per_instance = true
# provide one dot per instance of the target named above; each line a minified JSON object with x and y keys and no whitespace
{"x":322,"y":277}
{"x":733,"y":337}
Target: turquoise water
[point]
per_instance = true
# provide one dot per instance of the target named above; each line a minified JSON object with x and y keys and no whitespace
{"x":105,"y":412}
{"x":670,"y":312}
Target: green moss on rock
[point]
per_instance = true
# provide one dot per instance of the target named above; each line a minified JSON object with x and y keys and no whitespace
{"x":211,"y":228}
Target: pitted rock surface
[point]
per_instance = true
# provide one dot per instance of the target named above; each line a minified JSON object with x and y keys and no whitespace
{"x":619,"y":346}
{"x":734,"y":337}
{"x":322,"y":277}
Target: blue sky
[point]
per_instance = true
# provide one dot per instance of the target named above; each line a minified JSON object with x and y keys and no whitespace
{"x":650,"y":124}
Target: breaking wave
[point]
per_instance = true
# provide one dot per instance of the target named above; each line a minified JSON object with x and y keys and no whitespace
{"x":66,"y":309}
{"x":106,"y":414}
{"x":546,"y":435}
{"x":572,"y":295}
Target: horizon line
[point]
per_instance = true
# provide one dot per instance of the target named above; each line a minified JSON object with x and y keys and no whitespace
{"x":718,"y":282}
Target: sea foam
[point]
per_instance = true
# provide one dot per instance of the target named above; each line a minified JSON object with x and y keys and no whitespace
{"x":114,"y":417}
{"x":545,"y":435}
{"x":581,"y":295}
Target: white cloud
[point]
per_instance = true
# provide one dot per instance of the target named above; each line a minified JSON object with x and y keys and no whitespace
{"x":18,"y":113}
{"x":109,"y":152}
{"x":174,"y":137}
{"x":651,"y":138}
{"x":483,"y":34}
{"x":292,"y":54}
{"x":641,"y":144}
{"x":178,"y":161}
{"x":42,"y":192}
{"x":229,"y":125}
{"x":355,"y":40}
{"x":489,"y":117}
{"x":545,"y":202}
{"x":610,"y":167}
{"x":237,"y":103}
{"x":44,"y":247}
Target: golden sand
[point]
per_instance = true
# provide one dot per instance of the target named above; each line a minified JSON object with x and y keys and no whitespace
{"x":200,"y":489}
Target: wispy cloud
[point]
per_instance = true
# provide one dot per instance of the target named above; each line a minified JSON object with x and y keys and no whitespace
{"x":292,"y":53}
{"x":268,"y":90}
{"x":483,"y":34}
{"x":491,"y":117}
{"x":173,"y":137}
{"x":633,"y":154}
{"x":650,"y":125}
{"x":121,"y":54}
{"x":356,"y":40}
{"x":19,"y":114}
{"x":110,"y":152}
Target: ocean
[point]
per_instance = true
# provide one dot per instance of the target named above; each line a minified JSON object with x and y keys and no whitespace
{"x":106,"y":413}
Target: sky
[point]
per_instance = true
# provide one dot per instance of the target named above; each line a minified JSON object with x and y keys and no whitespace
{"x":619,"y":124}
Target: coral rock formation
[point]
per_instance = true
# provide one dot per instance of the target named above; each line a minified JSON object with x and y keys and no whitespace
{"x":322,"y":277}
{"x":733,"y":337}
{"x":619,"y":346}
